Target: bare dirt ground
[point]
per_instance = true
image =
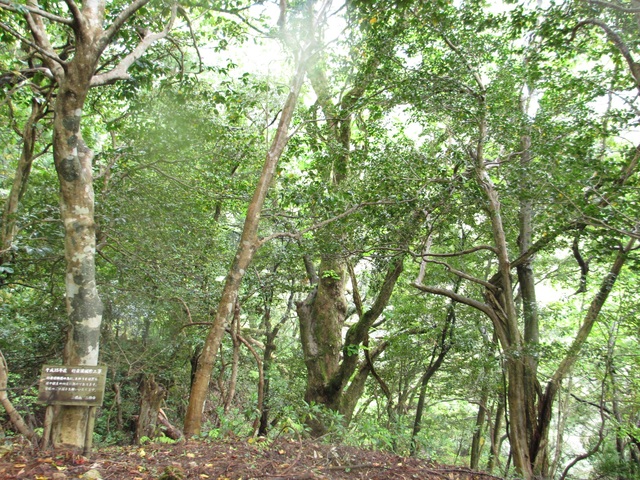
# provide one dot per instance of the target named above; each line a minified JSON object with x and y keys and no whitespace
{"x":231,"y":459}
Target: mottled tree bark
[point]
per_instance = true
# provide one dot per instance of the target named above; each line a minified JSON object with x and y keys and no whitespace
{"x":74,"y":162}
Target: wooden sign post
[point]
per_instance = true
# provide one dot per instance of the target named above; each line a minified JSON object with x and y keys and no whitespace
{"x":79,"y":385}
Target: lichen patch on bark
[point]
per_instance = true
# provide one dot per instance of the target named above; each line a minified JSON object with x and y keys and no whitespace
{"x":71,"y":123}
{"x":92,"y":322}
{"x":70,"y":168}
{"x":72,"y":287}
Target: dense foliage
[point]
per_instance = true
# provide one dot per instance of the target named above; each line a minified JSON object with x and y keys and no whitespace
{"x":456,"y":211}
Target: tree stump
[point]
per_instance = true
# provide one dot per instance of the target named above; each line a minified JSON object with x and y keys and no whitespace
{"x":151,"y":396}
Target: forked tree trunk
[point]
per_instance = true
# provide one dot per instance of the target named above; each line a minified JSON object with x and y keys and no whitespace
{"x":323,"y":313}
{"x":330,"y":361}
{"x":322,"y":317}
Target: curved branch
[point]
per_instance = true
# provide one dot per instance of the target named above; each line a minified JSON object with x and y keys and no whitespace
{"x":615,"y":6}
{"x":185,"y":15}
{"x":78,"y":17}
{"x":115,"y":27}
{"x":584,"y":265}
{"x":462,"y":252}
{"x":546,"y":239}
{"x":483,"y":307}
{"x":119,"y":72}
{"x":186,"y":307}
{"x":617,"y":41}
{"x":4,"y":4}
{"x":466,"y":276}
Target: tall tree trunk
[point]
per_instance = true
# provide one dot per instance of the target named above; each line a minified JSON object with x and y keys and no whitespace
{"x":496,"y":435}
{"x":505,"y":318}
{"x":72,"y":425}
{"x":526,"y":284}
{"x":477,"y":440}
{"x":438,"y":355}
{"x":247,"y":247}
{"x":74,"y":164}
{"x":323,"y":313}
{"x":267,"y":358}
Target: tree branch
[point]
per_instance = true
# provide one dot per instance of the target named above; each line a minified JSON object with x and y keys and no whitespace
{"x":462,"y":252}
{"x":483,"y":307}
{"x":78,"y":17}
{"x":617,"y":41}
{"x":113,"y":29}
{"x":4,"y":4}
{"x":43,"y":51}
{"x":466,"y":276}
{"x":615,"y":6}
{"x":119,"y":72}
{"x":346,"y":213}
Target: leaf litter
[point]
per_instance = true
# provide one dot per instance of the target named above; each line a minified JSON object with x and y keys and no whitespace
{"x":229,"y":459}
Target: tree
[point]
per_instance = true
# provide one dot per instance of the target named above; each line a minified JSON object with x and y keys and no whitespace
{"x":249,"y":241}
{"x":529,"y":405}
{"x":74,"y":76}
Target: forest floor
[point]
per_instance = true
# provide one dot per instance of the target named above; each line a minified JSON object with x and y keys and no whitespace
{"x":230,"y":459}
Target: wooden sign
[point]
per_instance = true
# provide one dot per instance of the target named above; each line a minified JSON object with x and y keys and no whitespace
{"x":81,"y":385}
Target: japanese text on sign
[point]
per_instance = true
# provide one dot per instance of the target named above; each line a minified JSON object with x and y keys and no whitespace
{"x":72,"y":385}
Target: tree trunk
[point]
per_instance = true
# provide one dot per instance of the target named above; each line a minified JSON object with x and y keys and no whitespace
{"x":72,"y":426}
{"x":496,"y":434}
{"x":322,"y":317}
{"x":323,"y":313}
{"x":244,"y":255}
{"x":14,"y":416}
{"x":20,"y":180}
{"x":330,"y":361}
{"x":118,"y":402}
{"x":74,"y":164}
{"x":235,"y":359}
{"x":267,"y":358}
{"x":477,"y":440}
{"x":151,"y":397}
{"x":438,"y":355}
